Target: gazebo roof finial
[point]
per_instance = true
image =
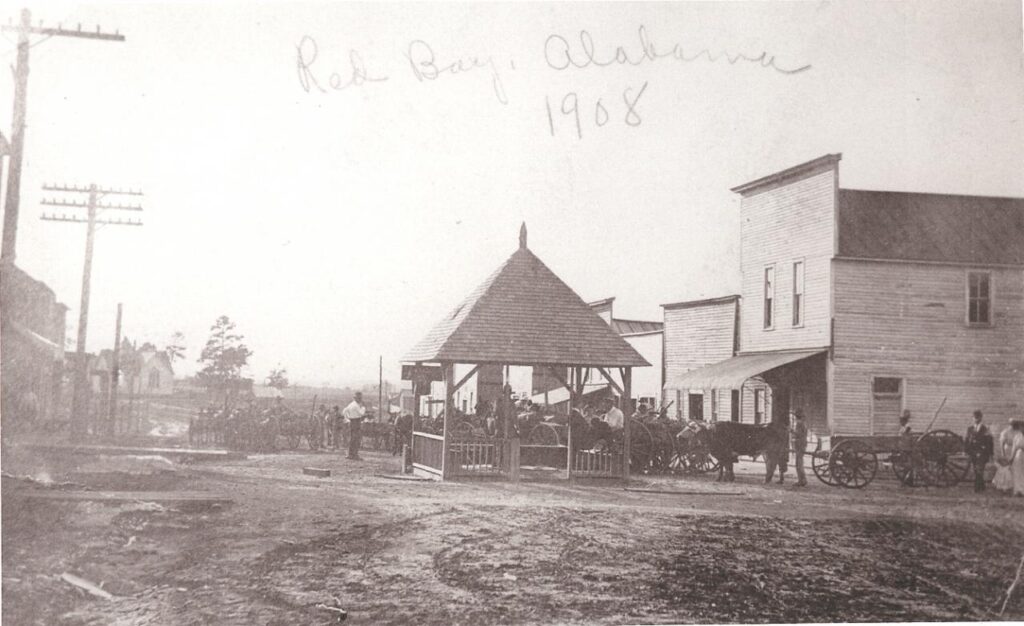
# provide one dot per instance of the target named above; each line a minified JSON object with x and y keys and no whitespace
{"x":522,"y":235}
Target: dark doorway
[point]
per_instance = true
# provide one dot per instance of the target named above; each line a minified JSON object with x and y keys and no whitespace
{"x":697,"y":406}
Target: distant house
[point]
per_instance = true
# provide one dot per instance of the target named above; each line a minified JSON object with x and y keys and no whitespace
{"x":856,"y":305}
{"x":142,"y":372}
{"x":265,"y":392}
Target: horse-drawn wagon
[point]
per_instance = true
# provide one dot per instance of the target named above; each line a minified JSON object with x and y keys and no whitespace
{"x":933,"y":458}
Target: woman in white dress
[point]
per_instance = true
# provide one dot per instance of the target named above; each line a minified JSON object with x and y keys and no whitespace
{"x":1017,"y":458}
{"x":1003,"y":480}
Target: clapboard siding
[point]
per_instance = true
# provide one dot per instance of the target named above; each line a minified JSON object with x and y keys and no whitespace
{"x":782,"y":224}
{"x":907,"y":320}
{"x":696,"y":336}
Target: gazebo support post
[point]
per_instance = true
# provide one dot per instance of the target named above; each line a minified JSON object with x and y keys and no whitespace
{"x":448,"y":370}
{"x":627,"y":411}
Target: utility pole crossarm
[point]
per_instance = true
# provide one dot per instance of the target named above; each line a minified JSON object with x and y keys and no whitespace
{"x":65,"y":218}
{"x":64,"y":32}
{"x":99,"y":190}
{"x":85,"y":205}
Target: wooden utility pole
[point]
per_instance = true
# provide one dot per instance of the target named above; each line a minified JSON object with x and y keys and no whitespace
{"x":380,"y":389}
{"x":79,"y":399}
{"x":115,"y":373}
{"x":24,"y":29}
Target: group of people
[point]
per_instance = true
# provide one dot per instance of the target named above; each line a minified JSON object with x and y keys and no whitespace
{"x":1008,"y":454}
{"x":333,"y":421}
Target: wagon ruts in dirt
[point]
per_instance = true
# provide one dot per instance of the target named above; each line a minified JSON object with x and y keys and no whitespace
{"x":934,"y":458}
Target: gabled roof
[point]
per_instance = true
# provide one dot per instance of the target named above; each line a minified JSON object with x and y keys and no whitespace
{"x":636,"y":327}
{"x":523,"y":314}
{"x":820,"y":163}
{"x":930,"y":227}
{"x":686,"y":304}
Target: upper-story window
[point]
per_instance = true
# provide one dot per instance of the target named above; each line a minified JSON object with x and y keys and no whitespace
{"x":769,"y":296}
{"x":979,"y":298}
{"x":798,"y":293}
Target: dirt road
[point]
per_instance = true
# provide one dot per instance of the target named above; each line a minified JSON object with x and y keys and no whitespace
{"x":541,"y":552}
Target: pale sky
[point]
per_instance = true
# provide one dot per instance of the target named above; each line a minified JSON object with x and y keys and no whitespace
{"x":335,"y":227}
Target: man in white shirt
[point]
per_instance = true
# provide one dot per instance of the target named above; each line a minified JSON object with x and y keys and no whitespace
{"x":613,"y":416}
{"x":354,"y":414}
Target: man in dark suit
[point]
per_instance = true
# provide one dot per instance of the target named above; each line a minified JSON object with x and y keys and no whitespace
{"x":978,"y":444}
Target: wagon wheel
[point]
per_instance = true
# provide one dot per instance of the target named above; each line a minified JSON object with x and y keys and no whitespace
{"x":544,"y":434}
{"x":821,"y":468}
{"x":664,"y":448}
{"x":700,"y":461}
{"x":852,"y":464}
{"x":944,"y":458}
{"x":908,"y":465}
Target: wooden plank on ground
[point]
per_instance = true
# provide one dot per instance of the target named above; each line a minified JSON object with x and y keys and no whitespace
{"x":128,"y":496}
{"x":193,"y":453}
{"x":316,"y":471}
{"x":85,"y":585}
{"x":686,"y":493}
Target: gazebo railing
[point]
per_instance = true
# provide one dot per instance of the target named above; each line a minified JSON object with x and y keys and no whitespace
{"x":596,"y":463}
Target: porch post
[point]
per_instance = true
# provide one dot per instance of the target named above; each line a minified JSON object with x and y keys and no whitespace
{"x":448,"y":370}
{"x":627,"y":411}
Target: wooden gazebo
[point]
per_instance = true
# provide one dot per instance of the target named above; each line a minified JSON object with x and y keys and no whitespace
{"x":522,"y":315}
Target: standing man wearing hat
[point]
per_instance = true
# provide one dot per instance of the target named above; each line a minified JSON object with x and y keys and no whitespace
{"x":354,"y":414}
{"x":978,"y":444}
{"x":799,"y":430}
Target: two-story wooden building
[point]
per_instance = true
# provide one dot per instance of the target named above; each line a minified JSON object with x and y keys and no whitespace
{"x":856,"y":305}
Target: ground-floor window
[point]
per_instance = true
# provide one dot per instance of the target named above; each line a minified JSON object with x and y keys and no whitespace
{"x":758,"y":406}
{"x":735,"y":406}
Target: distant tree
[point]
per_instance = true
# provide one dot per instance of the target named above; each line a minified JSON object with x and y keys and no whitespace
{"x":223,"y":358}
{"x":278,"y":378}
{"x":175,"y":347}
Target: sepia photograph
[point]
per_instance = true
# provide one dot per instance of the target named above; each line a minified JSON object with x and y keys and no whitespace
{"x":518,"y":313}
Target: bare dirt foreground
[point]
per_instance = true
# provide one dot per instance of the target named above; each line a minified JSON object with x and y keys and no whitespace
{"x":541,"y":552}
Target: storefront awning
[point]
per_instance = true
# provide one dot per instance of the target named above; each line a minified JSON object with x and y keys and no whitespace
{"x":38,"y":341}
{"x":732,"y":373}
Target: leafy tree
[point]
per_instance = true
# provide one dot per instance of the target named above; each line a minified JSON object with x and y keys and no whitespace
{"x":175,"y":347}
{"x":223,"y":358}
{"x":278,"y":378}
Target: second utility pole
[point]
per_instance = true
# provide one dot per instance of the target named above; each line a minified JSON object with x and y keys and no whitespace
{"x":79,"y":399}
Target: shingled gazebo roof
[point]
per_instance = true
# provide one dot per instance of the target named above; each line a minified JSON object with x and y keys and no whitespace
{"x":523,"y":314}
